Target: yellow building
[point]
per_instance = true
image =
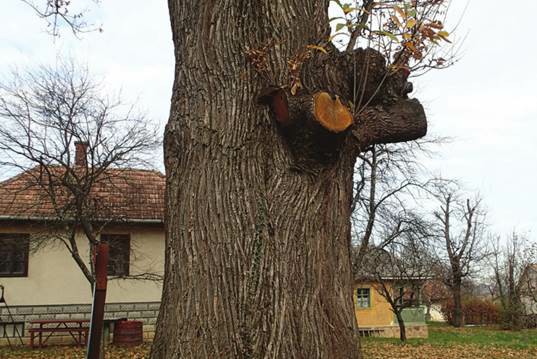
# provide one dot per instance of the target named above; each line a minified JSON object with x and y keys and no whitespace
{"x":375,"y":316}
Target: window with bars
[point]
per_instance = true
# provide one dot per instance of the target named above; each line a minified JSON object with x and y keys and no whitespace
{"x":119,"y":255}
{"x":14,"y":253}
{"x":363,"y":297}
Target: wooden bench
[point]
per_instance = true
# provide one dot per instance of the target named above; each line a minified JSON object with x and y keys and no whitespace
{"x":44,"y":329}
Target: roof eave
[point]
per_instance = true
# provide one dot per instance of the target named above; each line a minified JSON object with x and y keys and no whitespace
{"x":47,"y":219}
{"x":391,"y":278}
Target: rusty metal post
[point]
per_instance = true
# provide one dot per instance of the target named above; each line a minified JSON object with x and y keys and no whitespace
{"x":99,"y":298}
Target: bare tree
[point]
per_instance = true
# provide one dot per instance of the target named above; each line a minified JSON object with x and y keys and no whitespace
{"x":515,"y":280}
{"x":388,"y":188}
{"x":399,"y":269}
{"x":45,"y":113}
{"x":388,"y":183}
{"x":390,"y":235}
{"x":459,"y":229}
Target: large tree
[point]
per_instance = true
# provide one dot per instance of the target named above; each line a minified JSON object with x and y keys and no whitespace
{"x":266,"y":122}
{"x":459,"y":228}
{"x":259,"y":202}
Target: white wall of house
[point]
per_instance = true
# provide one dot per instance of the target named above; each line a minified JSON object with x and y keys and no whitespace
{"x":436,"y":313}
{"x":529,"y":289}
{"x":530,"y":305}
{"x":54,"y":277}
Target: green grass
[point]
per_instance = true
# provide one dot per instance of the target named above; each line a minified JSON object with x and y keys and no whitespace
{"x":444,"y":335}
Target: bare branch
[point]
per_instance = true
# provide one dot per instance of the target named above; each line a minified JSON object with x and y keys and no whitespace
{"x":45,"y":113}
{"x":60,"y":13}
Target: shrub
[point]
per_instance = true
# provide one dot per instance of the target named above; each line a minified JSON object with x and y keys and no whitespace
{"x":474,"y":311}
{"x":512,"y":317}
{"x":479,"y":311}
{"x":530,"y":321}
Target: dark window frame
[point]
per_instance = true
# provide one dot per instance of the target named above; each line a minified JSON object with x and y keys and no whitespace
{"x":25,"y":238}
{"x":126,"y":239}
{"x":361,"y":297}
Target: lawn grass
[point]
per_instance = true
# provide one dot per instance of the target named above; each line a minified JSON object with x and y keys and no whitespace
{"x":446,"y":342}
{"x":522,"y":339}
{"x":441,"y":334}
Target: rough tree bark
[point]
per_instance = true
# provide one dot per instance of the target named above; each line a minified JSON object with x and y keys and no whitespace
{"x":458,"y":319}
{"x":258,"y":210}
{"x":402,"y":327}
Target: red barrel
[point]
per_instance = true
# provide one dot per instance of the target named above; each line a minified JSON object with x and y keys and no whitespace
{"x":128,"y":333}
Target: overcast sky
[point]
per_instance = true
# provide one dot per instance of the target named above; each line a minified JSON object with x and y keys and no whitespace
{"x":487,"y":102}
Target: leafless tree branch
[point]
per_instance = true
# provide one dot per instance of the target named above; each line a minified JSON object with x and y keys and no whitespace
{"x":44,"y":113}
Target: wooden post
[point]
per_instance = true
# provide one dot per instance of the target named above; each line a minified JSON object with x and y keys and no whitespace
{"x":99,"y":298}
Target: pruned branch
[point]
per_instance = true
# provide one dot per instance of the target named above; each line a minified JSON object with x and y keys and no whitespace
{"x":331,"y":113}
{"x":404,"y":121}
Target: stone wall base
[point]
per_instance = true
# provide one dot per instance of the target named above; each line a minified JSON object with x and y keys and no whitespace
{"x":146,"y":312}
{"x":412,"y":331}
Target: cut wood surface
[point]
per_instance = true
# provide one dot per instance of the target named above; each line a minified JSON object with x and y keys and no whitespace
{"x":331,"y":113}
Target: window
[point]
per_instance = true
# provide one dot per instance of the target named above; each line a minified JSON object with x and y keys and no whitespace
{"x":14,"y":249}
{"x":11,"y":329}
{"x":119,"y":255}
{"x":363,"y":297}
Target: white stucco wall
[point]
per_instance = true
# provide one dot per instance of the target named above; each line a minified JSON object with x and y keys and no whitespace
{"x":436,"y":313}
{"x":54,"y":278}
{"x":530,"y":306}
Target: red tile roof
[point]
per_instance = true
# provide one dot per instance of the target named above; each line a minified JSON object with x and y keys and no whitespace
{"x":119,"y":194}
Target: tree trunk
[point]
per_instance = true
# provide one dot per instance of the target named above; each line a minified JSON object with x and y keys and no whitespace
{"x":458,"y":320}
{"x":402,"y":328}
{"x":258,"y":217}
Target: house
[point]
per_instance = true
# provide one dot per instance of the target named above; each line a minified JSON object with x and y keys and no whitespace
{"x":40,"y":277}
{"x":434,"y":294}
{"x":373,"y":290}
{"x":375,"y":316}
{"x":528,"y":289}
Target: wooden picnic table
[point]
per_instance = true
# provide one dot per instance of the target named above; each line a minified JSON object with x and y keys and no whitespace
{"x":77,"y":328}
